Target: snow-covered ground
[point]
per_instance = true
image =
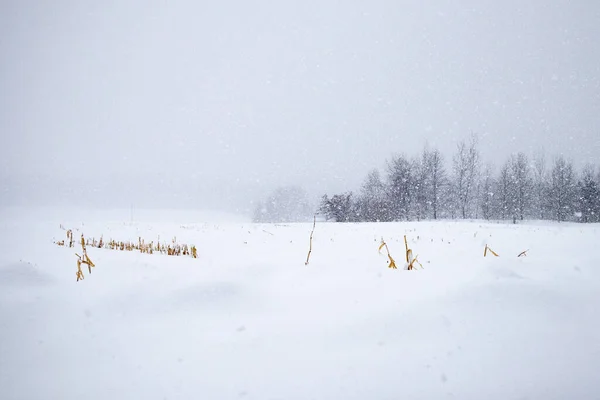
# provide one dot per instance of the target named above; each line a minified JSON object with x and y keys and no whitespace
{"x":249,"y":320}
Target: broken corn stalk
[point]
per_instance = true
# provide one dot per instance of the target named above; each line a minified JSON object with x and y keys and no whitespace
{"x":85,"y":259}
{"x":415,"y":260}
{"x":410,"y":260}
{"x":310,"y":240}
{"x":79,"y":274}
{"x":491,"y":251}
{"x":392,"y":263}
{"x":523,"y":253}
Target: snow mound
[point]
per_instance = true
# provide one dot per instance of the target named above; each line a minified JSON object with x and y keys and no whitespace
{"x":23,"y":274}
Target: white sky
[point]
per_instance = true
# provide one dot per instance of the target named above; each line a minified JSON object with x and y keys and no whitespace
{"x":213,"y":103}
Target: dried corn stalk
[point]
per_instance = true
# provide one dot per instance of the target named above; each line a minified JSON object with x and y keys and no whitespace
{"x":85,"y":259}
{"x":413,"y":261}
{"x":392,"y":263}
{"x":310,"y":240}
{"x":491,"y":251}
{"x":70,"y":237}
{"x":523,"y":253}
{"x":410,"y":260}
{"x":174,"y":249}
{"x":79,"y":274}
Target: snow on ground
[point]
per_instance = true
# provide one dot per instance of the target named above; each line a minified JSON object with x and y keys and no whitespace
{"x":248,"y":320}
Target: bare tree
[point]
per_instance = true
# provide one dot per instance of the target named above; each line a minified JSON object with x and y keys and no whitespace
{"x":373,"y":202}
{"x":285,"y":204}
{"x":400,"y":187}
{"x":339,"y":208}
{"x":504,"y":202}
{"x":487,"y":192}
{"x":521,"y":185}
{"x":540,"y":185}
{"x":435,"y":180}
{"x":420,"y":187}
{"x":589,"y":196}
{"x":466,"y":168}
{"x":562,"y":189}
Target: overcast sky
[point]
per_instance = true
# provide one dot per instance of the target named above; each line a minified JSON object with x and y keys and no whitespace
{"x":212,"y":103}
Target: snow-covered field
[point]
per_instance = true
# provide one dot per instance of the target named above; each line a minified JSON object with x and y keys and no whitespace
{"x":249,"y":320}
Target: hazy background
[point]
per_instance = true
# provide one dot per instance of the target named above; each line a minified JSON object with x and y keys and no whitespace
{"x":212,"y":104}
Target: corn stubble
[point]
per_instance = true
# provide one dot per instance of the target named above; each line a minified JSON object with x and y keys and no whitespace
{"x":177,"y":249}
{"x":144,"y":247}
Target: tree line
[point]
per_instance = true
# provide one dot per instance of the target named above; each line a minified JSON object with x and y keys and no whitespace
{"x":422,"y":187}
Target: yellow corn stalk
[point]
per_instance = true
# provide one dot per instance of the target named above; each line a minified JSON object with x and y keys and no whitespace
{"x":410,"y":260}
{"x":174,"y":249}
{"x":414,"y":260}
{"x":491,"y":251}
{"x":392,"y":263}
{"x":310,"y":240}
{"x":79,"y":274}
{"x":85,"y":259}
